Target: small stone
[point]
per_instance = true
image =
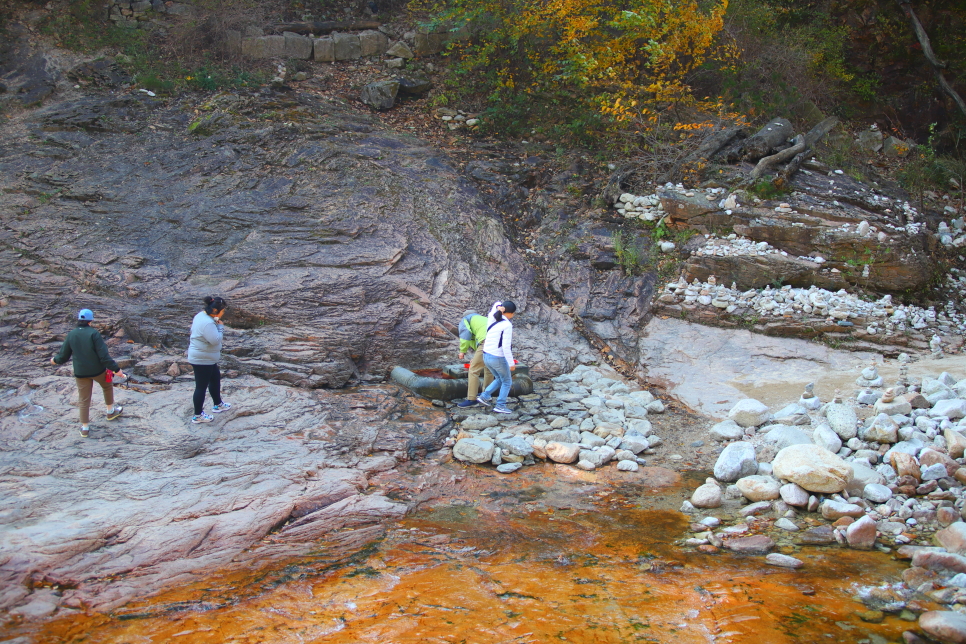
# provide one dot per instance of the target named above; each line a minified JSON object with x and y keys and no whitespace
{"x":953,"y":538}
{"x":784,"y":561}
{"x":754,"y":545}
{"x":876,"y":493}
{"x":473,"y":450}
{"x":833,"y":510}
{"x":508,"y":468}
{"x":786,"y":524}
{"x":627,"y":466}
{"x":862,"y":533}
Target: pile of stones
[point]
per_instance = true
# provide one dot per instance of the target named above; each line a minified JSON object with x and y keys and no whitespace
{"x":733,"y":246}
{"x":584,"y":417}
{"x":455,"y":119}
{"x":882,"y":317}
{"x":884,"y":469}
{"x":951,"y":233}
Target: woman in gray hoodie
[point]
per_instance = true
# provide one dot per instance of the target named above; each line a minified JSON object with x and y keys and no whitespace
{"x":204,"y":352}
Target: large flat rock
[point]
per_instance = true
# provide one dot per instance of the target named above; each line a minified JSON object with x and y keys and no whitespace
{"x":150,"y":500}
{"x":711,"y":369}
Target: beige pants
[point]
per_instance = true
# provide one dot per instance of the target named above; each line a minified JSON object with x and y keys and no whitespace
{"x":476,"y":368}
{"x":85,"y":387}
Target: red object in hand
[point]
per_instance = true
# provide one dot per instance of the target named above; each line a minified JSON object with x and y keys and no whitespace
{"x":109,"y":376}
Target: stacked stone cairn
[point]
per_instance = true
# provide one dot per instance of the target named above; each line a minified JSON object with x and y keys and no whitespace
{"x":584,"y":418}
{"x":815,"y":474}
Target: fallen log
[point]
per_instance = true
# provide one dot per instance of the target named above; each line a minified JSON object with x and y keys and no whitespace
{"x":714,"y":143}
{"x":800,"y":149}
{"x":773,"y":134}
{"x":327,"y":27}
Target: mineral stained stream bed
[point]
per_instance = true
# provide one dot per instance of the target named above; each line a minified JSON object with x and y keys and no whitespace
{"x":538,"y":557}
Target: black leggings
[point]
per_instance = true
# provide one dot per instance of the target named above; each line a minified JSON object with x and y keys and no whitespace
{"x":207,"y":376}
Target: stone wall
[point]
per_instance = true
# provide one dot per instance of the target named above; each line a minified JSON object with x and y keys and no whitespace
{"x":341,"y":46}
{"x":134,"y":14}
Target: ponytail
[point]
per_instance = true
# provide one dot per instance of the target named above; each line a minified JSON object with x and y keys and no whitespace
{"x":498,"y":315}
{"x":213,"y":304}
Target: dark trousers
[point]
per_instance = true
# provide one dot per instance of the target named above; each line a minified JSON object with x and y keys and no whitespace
{"x":207,"y":377}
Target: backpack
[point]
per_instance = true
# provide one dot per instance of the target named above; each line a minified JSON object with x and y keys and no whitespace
{"x":464,"y":328}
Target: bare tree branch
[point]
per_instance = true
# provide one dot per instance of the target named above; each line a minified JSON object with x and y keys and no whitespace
{"x":775,"y":159}
{"x":937,"y":64}
{"x":802,"y":144}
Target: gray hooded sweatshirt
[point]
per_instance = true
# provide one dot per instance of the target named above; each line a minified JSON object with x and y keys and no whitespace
{"x":204,"y":347}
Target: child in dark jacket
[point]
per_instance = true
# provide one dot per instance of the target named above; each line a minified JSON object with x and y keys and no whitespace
{"x":85,"y":347}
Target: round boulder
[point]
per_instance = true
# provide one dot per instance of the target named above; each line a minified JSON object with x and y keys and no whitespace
{"x":812,"y":467}
{"x":707,"y":495}
{"x":946,"y":626}
{"x":473,"y":450}
{"x":749,"y":413}
{"x":727,"y":430}
{"x":562,"y":452}
{"x":842,"y":419}
{"x":759,"y":488}
{"x":735,"y":461}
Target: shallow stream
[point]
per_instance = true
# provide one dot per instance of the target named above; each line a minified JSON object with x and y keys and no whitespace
{"x":513,"y":565}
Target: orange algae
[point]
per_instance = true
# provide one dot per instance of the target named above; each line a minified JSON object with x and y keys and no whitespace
{"x":461,"y":574}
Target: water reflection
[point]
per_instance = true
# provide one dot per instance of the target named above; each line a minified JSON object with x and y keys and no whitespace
{"x":461,"y":573}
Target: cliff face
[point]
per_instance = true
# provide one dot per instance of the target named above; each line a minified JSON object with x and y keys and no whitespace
{"x":342,"y":250}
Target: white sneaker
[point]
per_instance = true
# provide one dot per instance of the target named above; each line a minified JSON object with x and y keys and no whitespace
{"x":222,"y":407}
{"x":202,"y":418}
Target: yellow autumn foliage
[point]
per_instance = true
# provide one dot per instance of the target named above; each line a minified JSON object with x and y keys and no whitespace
{"x":610,"y":61}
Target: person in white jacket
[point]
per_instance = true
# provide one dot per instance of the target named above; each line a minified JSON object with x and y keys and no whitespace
{"x":204,"y":352}
{"x":498,"y":356}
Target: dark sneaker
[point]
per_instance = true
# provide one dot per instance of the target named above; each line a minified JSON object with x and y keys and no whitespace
{"x":501,"y":410}
{"x":112,"y":415}
{"x":85,"y":432}
{"x":484,"y":401}
{"x":467,"y":403}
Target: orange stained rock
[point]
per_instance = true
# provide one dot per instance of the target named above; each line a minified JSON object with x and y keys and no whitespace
{"x":457,"y":574}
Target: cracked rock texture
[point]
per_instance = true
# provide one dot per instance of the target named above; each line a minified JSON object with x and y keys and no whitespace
{"x":342,"y":250}
{"x":150,"y":500}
